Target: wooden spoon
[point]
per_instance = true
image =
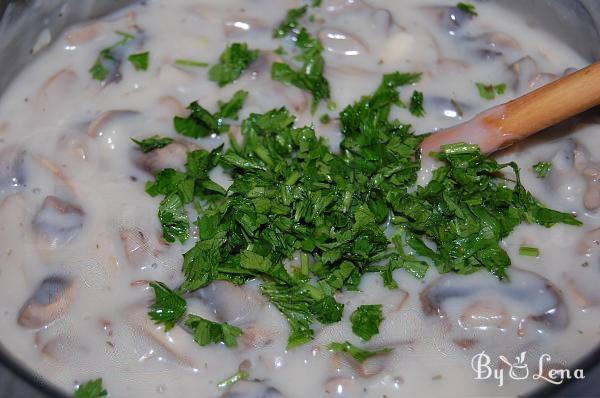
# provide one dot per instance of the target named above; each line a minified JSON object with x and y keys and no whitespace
{"x":513,"y":121}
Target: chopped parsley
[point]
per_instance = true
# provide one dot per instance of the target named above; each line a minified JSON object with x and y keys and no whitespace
{"x":91,"y":389}
{"x":291,"y":22}
{"x":468,"y":8}
{"x":140,"y":61}
{"x":151,"y":143}
{"x":208,"y":332}
{"x":542,"y":168}
{"x":292,"y":196}
{"x":325,"y":118}
{"x":191,"y":63}
{"x":173,"y":217}
{"x":359,"y":354}
{"x":310,"y":75}
{"x":489,"y":91}
{"x":228,"y":382}
{"x":107,"y":59}
{"x":366,"y":320}
{"x":168,"y":306}
{"x":529,"y":251}
{"x":416,"y":104}
{"x":233,"y":61}
{"x":202,"y":123}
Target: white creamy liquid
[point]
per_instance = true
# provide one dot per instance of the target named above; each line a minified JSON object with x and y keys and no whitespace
{"x":56,"y":142}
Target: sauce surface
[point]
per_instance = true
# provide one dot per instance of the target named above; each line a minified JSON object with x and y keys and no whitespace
{"x":79,"y":238}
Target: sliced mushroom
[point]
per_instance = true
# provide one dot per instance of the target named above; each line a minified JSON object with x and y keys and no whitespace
{"x":12,"y":169}
{"x":239,"y":25}
{"x":527,"y":297}
{"x":57,"y":85}
{"x":84,"y":34}
{"x":176,"y":341}
{"x":135,"y":245}
{"x":232,"y":303}
{"x":172,"y":156}
{"x":65,"y":349}
{"x":50,"y":301}
{"x":99,"y":126}
{"x":446,"y":107}
{"x":343,"y":386}
{"x":252,"y":389}
{"x":491,"y":45}
{"x":58,"y":222}
{"x":171,"y":107}
{"x":450,"y":19}
{"x":340,"y":42}
{"x":258,"y":337}
{"x":589,"y":242}
{"x":339,"y":6}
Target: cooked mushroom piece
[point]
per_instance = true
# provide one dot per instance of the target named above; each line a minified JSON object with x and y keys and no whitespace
{"x":172,"y":156}
{"x":339,"y":42}
{"x":450,"y":19}
{"x":50,"y":300}
{"x":488,"y":302}
{"x":65,"y":349}
{"x":232,"y":303}
{"x":339,"y":6}
{"x":58,"y":222}
{"x":252,"y":389}
{"x":135,"y":245}
{"x":12,"y":169}
{"x":98,"y":126}
{"x":446,"y":107}
{"x":241,"y":25}
{"x":491,"y":45}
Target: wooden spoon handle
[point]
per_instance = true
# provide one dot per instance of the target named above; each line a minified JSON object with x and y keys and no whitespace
{"x":505,"y":124}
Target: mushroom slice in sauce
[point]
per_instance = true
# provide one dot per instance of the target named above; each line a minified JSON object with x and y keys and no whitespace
{"x":135,"y":245}
{"x":241,"y":25}
{"x":527,"y":297}
{"x":339,"y":6}
{"x":12,"y":169}
{"x":252,"y":389}
{"x":232,"y":303}
{"x":50,"y":300}
{"x":339,"y":42}
{"x":450,"y":19}
{"x":172,"y":156}
{"x":58,"y":222}
{"x":97,"y":128}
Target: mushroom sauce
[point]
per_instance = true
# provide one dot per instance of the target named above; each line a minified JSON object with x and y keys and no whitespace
{"x":80,"y":239}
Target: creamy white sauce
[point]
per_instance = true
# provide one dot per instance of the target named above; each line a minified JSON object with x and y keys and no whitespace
{"x":55,"y":142}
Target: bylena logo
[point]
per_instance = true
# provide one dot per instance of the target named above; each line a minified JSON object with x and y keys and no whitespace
{"x":519,"y":369}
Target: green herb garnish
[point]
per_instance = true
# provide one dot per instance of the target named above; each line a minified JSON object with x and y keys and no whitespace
{"x":489,"y":91}
{"x":290,"y":22}
{"x":468,"y":8}
{"x":310,"y":76}
{"x":529,"y":251}
{"x":107,"y":58}
{"x":325,"y":118}
{"x":202,"y":123}
{"x":233,"y":61}
{"x":228,"y":382}
{"x":140,"y":61}
{"x":168,"y":306}
{"x":91,"y":389}
{"x":191,"y":63}
{"x":208,"y":332}
{"x":542,"y":168}
{"x":359,"y":354}
{"x":416,"y":104}
{"x":366,"y":320}
{"x":151,"y":143}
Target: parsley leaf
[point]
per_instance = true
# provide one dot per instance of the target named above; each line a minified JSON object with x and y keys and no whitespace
{"x":228,"y":382}
{"x":310,"y":76}
{"x":208,"y":332}
{"x":168,"y":306}
{"x":191,"y":63}
{"x":542,"y":168}
{"x":359,"y":354}
{"x":290,"y":22}
{"x":233,"y":61}
{"x":202,"y":123}
{"x":173,"y":217}
{"x":91,"y":389}
{"x":108,"y":59}
{"x":489,"y":91}
{"x":366,"y":320}
{"x":416,"y":104}
{"x":529,"y":251}
{"x":151,"y":143}
{"x":140,"y":61}
{"x":468,"y":8}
